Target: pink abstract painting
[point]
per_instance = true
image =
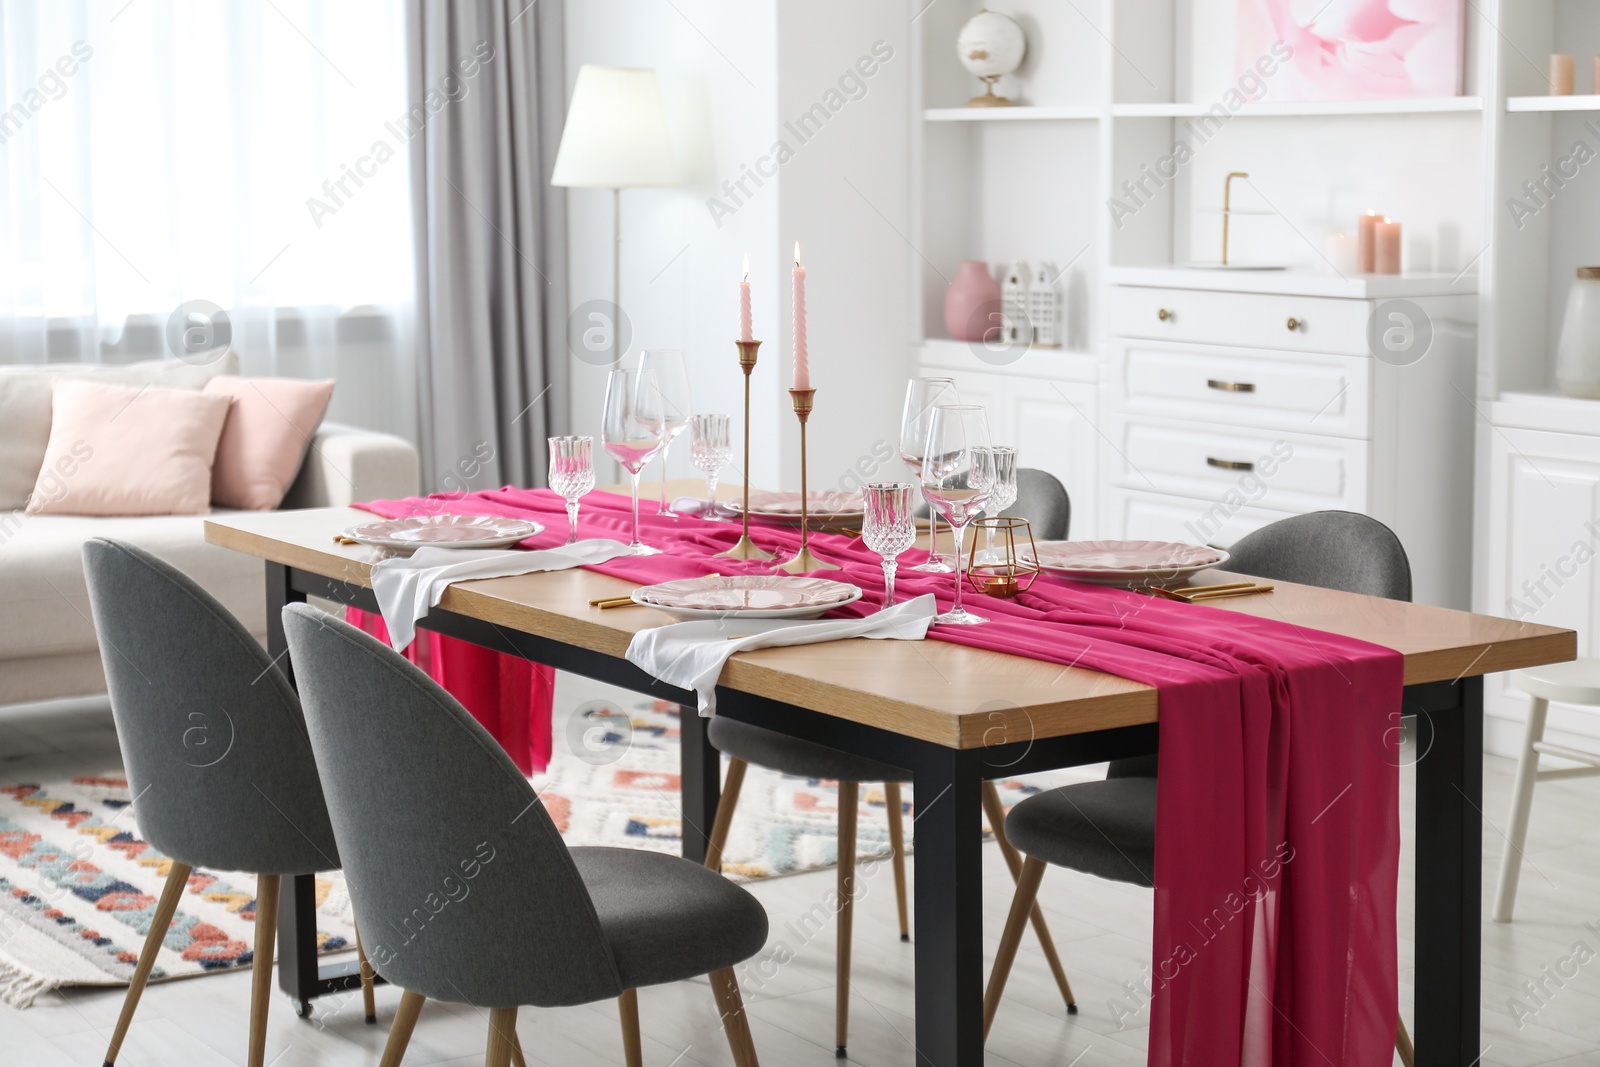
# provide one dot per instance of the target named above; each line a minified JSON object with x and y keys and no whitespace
{"x":1354,"y":49}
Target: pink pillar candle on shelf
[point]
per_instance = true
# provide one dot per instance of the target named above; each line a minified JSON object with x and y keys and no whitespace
{"x":744,"y":302}
{"x":1364,"y":246}
{"x":802,"y":358}
{"x":1386,"y":248}
{"x":1563,"y":75}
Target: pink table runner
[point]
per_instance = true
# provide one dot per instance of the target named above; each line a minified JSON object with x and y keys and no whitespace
{"x":1277,"y":809}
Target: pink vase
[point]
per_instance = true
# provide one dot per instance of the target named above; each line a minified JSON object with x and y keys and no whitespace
{"x":972,"y":303}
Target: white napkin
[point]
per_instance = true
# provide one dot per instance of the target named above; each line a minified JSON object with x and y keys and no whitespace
{"x":690,"y":655}
{"x":408,"y":587}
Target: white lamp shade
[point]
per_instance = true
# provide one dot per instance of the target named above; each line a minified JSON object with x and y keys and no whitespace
{"x":616,"y":133}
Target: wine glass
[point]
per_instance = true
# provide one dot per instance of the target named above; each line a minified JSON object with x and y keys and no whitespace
{"x":572,"y":475}
{"x":672,"y":379}
{"x":957,"y":473}
{"x":922,"y":394}
{"x":711,"y":448}
{"x":1002,"y":494}
{"x":634,"y":430}
{"x":888,"y":527}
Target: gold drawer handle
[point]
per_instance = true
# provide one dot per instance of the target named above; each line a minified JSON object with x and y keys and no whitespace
{"x":1295,"y":324}
{"x":1164,"y":315}
{"x":1230,"y":387}
{"x":1230,"y":464}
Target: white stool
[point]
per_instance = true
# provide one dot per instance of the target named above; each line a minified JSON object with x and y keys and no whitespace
{"x":1576,"y":682}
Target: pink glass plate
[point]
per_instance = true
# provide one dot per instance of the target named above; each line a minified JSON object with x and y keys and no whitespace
{"x":820,"y":504}
{"x":1126,"y":562}
{"x":748,"y":594}
{"x":445,"y":531}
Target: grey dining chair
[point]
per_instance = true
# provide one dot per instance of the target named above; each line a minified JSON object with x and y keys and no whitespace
{"x":449,"y":852}
{"x":1108,"y":828}
{"x":216,"y":753}
{"x":1043,"y":501}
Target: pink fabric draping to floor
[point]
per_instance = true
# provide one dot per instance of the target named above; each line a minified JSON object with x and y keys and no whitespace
{"x":1277,"y":811}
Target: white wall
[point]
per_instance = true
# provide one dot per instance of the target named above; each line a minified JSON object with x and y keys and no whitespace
{"x":731,"y":74}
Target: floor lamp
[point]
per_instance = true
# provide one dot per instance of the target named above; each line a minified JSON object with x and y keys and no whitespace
{"x":615,"y":138}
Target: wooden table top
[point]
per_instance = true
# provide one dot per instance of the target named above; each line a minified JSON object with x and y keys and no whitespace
{"x":933,"y":690}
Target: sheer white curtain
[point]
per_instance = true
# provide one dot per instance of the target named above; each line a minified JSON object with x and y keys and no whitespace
{"x":248,"y":155}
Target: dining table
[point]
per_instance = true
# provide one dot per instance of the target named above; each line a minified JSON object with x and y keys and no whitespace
{"x":954,"y":716}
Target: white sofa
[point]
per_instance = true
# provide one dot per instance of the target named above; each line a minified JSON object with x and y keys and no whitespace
{"x":47,"y":641}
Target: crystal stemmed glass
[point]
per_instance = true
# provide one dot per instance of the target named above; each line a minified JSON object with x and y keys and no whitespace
{"x":1002,"y":494}
{"x":572,"y":475}
{"x":888,"y":527}
{"x":711,"y":448}
{"x":672,"y":379}
{"x":922,"y":395}
{"x":633,"y":431}
{"x":957,"y":473}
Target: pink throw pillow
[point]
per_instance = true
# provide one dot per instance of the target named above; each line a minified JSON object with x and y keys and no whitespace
{"x":265,"y":438}
{"x":128,"y":450}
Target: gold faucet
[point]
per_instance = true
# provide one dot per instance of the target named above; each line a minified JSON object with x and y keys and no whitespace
{"x":1227,"y":201}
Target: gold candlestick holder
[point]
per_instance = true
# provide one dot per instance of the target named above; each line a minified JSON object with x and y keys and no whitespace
{"x":804,"y":561}
{"x":746,"y":548}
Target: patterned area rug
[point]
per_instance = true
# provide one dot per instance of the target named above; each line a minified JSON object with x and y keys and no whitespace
{"x":78,"y":886}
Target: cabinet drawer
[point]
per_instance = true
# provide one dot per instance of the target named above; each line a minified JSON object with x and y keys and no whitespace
{"x":1154,"y":517}
{"x":1308,"y":393}
{"x":1287,"y":472}
{"x":1253,"y":320}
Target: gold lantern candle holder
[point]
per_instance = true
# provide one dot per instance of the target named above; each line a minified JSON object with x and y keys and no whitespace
{"x":1016,"y":570}
{"x":804,"y":561}
{"x":746,"y":548}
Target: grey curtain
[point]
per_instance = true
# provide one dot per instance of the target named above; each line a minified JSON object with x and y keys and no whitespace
{"x":487,"y":99}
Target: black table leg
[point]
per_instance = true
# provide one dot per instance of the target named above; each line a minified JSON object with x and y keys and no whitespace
{"x":1449,"y":880}
{"x":700,"y":766}
{"x":949,"y":908}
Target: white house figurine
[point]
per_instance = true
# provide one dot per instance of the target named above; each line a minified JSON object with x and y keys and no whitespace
{"x":1014,"y":326}
{"x":1044,"y":306}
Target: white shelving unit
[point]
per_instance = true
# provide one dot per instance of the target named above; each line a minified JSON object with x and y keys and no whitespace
{"x":1108,"y":90}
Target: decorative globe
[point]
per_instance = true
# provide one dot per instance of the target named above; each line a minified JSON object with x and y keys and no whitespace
{"x":991,"y":45}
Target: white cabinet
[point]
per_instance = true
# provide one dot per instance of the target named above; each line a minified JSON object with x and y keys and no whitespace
{"x":1542,"y":519}
{"x":1046,"y":404}
{"x":1227,"y":409}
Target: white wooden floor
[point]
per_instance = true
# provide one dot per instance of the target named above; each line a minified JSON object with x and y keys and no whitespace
{"x":1102,"y":928}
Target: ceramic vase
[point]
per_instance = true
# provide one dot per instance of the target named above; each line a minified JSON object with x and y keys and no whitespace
{"x":1578,"y":357}
{"x":972,"y":303}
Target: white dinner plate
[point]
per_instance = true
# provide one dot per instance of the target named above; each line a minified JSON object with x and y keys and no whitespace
{"x":443,"y":531}
{"x":747,"y":596}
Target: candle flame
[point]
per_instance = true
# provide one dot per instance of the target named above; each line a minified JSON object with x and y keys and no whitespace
{"x":797,"y":253}
{"x":1371,"y":212}
{"x":747,"y":266}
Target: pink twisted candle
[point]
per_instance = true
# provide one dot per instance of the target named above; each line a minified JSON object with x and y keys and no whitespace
{"x":745,"y":327}
{"x":802,"y":358}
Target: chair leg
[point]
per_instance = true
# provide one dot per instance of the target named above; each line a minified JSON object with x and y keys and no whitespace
{"x":725,"y":806}
{"x":897,"y":854}
{"x":166,"y":906}
{"x":725,"y":988}
{"x":1402,"y":1045}
{"x":849,"y":802}
{"x":369,"y":1000}
{"x":996,"y":812}
{"x":1505,"y":899}
{"x":405,"y":1020}
{"x":516,"y":1051}
{"x":261,"y":967}
{"x":502,"y":1033}
{"x":628,"y":1008}
{"x":1021,"y":906}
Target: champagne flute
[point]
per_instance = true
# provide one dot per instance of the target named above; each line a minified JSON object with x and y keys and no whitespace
{"x":633,"y":431}
{"x":672,"y":379}
{"x":957,"y":473}
{"x":711,"y":448}
{"x":572,"y":475}
{"x":922,"y":395}
{"x":888,"y":527}
{"x":1003,"y":493}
